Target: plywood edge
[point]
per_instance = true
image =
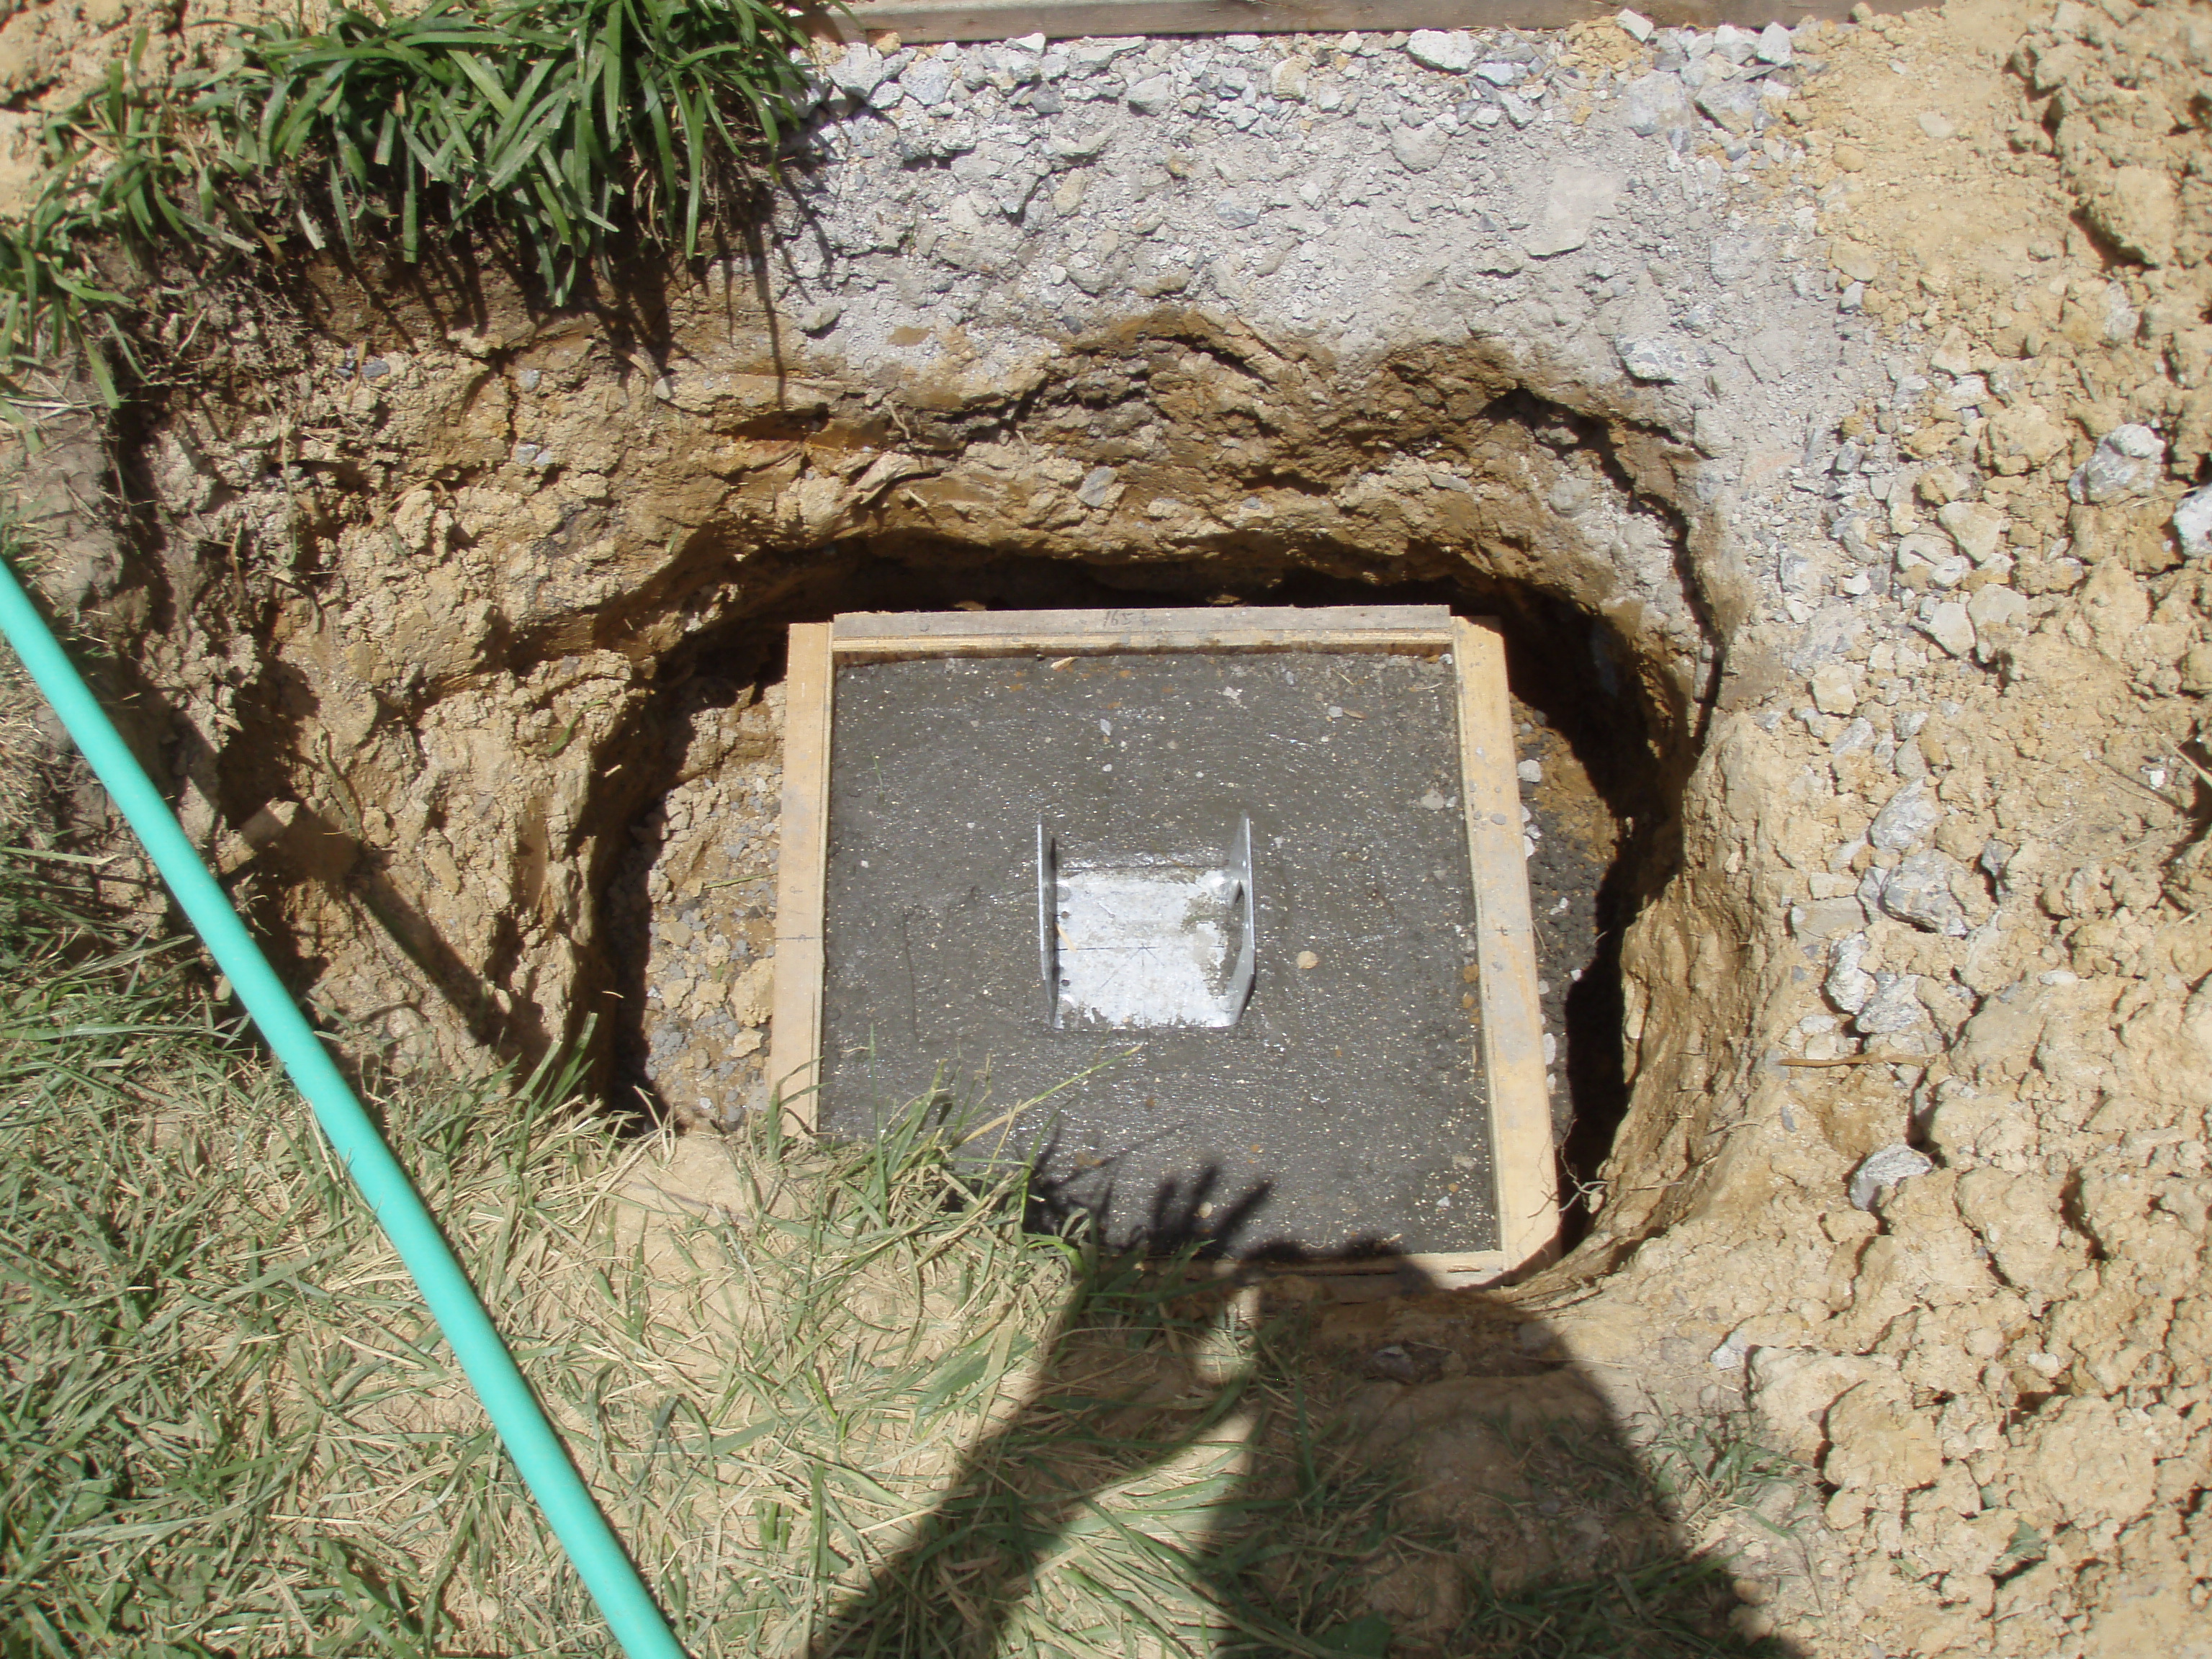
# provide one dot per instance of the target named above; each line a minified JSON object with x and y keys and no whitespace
{"x":1506,"y":954}
{"x":889,"y":647}
{"x":795,"y":1022}
{"x":852,"y":627}
{"x":1442,"y":1266}
{"x":1365,"y":1278}
{"x":878,"y":636}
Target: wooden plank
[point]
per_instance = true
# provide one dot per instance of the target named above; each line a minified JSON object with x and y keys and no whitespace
{"x":1361,"y":1277}
{"x":879,"y":636}
{"x":1380,"y":1287}
{"x":1093,"y":645}
{"x":802,"y":872}
{"x":1373,"y":1277}
{"x":1454,"y":1268}
{"x":1506,"y":954}
{"x":1203,"y":625}
{"x":920,"y":21}
{"x":1434,"y":1261}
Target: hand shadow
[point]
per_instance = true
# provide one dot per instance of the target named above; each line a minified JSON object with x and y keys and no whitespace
{"x":1520,"y":1520}
{"x":1123,"y":1387}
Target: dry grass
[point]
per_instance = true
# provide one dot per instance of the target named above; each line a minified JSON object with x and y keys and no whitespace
{"x":836,"y":1398}
{"x":23,"y":757}
{"x":850,"y":1404}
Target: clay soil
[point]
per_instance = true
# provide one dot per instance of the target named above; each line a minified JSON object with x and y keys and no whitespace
{"x":1880,"y":833}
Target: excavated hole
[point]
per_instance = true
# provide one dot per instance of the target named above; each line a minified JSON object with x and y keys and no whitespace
{"x":690,"y":901}
{"x":514,"y":686}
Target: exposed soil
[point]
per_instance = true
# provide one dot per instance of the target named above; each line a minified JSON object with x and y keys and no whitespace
{"x":1827,"y":487}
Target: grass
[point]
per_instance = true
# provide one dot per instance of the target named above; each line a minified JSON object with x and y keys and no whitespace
{"x":1716,"y":1466}
{"x":564,"y":128}
{"x":852,"y":1399}
{"x":837,"y":1400}
{"x":1659,"y":1607}
{"x":563,"y":121}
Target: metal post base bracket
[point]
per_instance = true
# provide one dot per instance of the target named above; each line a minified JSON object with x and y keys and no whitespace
{"x":1146,"y":941}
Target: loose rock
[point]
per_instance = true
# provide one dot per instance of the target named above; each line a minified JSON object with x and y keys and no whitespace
{"x":1918,"y":891}
{"x":1152,"y":95}
{"x":2125,"y":463}
{"x":1995,"y":607}
{"x":1910,"y":815}
{"x":1979,"y":531}
{"x":2192,"y":523}
{"x":1949,"y":626}
{"x":1660,"y":358}
{"x":858,"y":71}
{"x":1893,"y":1008}
{"x":1732,"y":105}
{"x":1834,"y":690}
{"x":1849,"y":986}
{"x":1436,"y":49}
{"x":1575,"y":199}
{"x":1881,"y":1171}
{"x":1418,"y":149}
{"x":928,"y":81}
{"x":1656,"y":102}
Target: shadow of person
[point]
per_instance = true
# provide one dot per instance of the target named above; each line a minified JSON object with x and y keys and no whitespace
{"x":1300,"y":1473}
{"x":1129,"y":1383}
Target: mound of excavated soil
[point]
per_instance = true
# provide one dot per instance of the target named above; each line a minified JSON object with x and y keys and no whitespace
{"x":1835,"y":412}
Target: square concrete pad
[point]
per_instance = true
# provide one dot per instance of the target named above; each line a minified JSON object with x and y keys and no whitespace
{"x":1342,"y":1109}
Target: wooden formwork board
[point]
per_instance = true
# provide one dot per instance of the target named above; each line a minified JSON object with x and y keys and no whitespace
{"x":1511,"y":1057}
{"x":1512,"y":1017}
{"x":801,"y":873}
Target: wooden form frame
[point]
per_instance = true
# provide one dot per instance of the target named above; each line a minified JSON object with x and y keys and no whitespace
{"x":1512,"y":1053}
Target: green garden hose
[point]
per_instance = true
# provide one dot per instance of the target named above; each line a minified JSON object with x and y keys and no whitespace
{"x":567,"y":1503}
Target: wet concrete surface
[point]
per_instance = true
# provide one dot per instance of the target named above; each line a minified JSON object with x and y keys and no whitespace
{"x":1344,"y":1110}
